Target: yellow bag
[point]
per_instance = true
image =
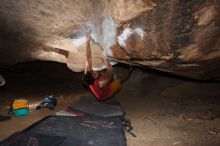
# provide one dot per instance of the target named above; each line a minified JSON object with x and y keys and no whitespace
{"x":20,"y":103}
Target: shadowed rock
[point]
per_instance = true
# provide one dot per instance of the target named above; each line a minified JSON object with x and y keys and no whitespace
{"x":180,"y":37}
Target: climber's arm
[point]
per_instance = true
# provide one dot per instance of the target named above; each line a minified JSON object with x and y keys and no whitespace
{"x":88,"y":64}
{"x":108,"y":74}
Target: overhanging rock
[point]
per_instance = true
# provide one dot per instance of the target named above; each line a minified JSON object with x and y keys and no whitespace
{"x":180,"y":37}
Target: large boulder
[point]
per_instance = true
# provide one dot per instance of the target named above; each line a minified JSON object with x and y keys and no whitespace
{"x":176,"y":36}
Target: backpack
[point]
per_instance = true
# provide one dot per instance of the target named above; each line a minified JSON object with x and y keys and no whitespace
{"x":19,"y":107}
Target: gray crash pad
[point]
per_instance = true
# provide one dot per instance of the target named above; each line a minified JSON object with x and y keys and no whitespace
{"x":88,"y":104}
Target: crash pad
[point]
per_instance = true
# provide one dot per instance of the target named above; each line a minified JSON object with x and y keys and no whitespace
{"x":88,"y":104}
{"x":32,"y":139}
{"x":82,"y":131}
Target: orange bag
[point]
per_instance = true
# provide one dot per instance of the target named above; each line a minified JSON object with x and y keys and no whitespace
{"x":20,"y":103}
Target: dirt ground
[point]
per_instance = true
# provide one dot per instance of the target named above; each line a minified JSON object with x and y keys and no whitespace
{"x":164,"y":111}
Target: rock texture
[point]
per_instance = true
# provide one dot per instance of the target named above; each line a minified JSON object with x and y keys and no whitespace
{"x":177,"y":36}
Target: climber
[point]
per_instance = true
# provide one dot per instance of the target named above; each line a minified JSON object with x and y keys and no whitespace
{"x":101,"y":84}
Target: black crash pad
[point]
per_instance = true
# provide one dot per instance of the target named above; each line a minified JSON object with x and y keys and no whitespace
{"x":71,"y":131}
{"x":82,"y":131}
{"x":32,"y":139}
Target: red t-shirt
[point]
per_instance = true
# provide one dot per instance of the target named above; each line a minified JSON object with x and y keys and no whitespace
{"x":100,"y":93}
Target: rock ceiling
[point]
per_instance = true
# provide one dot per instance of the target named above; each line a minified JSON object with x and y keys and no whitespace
{"x":176,"y":36}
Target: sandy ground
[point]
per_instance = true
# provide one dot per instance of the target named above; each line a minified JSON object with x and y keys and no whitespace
{"x":164,"y":111}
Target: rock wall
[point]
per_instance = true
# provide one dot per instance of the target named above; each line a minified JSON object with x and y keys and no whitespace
{"x":176,"y":36}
